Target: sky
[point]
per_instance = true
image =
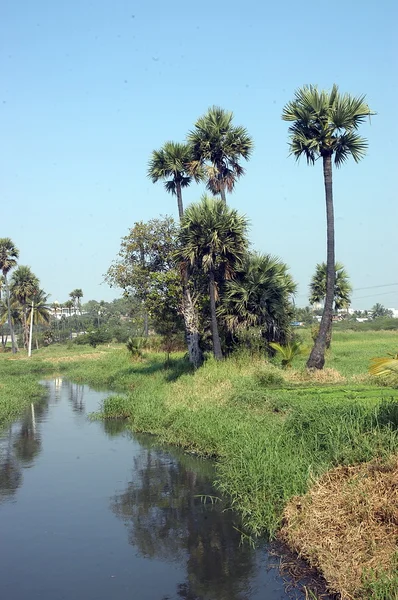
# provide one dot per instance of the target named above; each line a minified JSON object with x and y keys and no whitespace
{"x":90,"y":88}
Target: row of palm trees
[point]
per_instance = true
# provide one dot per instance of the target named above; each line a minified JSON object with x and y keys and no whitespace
{"x":24,"y":301}
{"x":324,"y":126}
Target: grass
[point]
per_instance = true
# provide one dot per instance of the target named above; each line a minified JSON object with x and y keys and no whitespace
{"x":273,"y":432}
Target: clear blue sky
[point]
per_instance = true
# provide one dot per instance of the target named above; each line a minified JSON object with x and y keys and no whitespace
{"x":90,"y":88}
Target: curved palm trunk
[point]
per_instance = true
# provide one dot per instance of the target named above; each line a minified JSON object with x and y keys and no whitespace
{"x":179,"y":199}
{"x":317,"y":357}
{"x":14,"y":346}
{"x":214,"y":325}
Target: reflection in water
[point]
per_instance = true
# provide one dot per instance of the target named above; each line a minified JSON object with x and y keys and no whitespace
{"x":19,"y":449}
{"x":167,"y":520}
{"x":175,"y":548}
{"x":76,"y":396}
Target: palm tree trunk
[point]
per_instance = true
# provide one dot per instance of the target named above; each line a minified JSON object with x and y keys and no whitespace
{"x":214,"y":325}
{"x":25,"y":327}
{"x":191,"y":322}
{"x":179,"y":199}
{"x":223,"y":195}
{"x":317,"y":357}
{"x":14,"y":346}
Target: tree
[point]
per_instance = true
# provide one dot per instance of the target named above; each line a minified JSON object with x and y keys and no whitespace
{"x":9,"y":254}
{"x":76,"y":295}
{"x":325,"y":126}
{"x":342,"y":286}
{"x":24,"y":286}
{"x":146,"y":270}
{"x":172,"y":164}
{"x":213,"y":240}
{"x":217,"y":147}
{"x":260,"y":296}
{"x":378,"y":310}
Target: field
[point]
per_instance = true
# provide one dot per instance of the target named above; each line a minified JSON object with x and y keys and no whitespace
{"x":275,"y":433}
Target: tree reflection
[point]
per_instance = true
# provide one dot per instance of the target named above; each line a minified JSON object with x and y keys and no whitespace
{"x":76,"y":397}
{"x":19,"y":449}
{"x":168,"y":521}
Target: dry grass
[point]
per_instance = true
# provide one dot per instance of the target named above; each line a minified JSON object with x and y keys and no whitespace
{"x":326,"y":375}
{"x":347,"y":524}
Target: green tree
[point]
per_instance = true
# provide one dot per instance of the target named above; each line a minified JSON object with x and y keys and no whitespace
{"x":171,"y":164}
{"x":24,"y":286}
{"x":378,"y":310}
{"x":342,"y":286}
{"x":217,"y":147}
{"x":9,"y":255}
{"x":260,"y":296}
{"x":325,"y":126}
{"x":213,"y":240}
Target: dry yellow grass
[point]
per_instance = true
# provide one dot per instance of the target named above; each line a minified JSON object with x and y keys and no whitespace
{"x":347,"y":524}
{"x":326,"y":375}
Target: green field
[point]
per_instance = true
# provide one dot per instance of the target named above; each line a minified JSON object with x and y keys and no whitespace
{"x":273,"y":431}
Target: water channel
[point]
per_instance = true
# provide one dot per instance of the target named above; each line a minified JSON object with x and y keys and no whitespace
{"x":89,"y":511}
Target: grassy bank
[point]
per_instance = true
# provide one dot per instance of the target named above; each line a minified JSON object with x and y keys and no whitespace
{"x":273,"y":432}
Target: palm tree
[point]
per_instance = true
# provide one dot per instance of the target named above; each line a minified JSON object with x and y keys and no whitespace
{"x":41,"y":309}
{"x":342,"y":286}
{"x":24,"y":286}
{"x":260,"y":296}
{"x":76,"y":295}
{"x":69,"y":304}
{"x":325,"y":126}
{"x":172,"y":164}
{"x":213,"y":240}
{"x":217,"y":147}
{"x":8,"y":260}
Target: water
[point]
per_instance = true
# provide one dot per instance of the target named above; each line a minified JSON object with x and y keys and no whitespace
{"x":88,"y":511}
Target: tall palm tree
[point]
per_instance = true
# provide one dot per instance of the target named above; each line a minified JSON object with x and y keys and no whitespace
{"x":260,"y":295}
{"x":213,"y":239}
{"x":217,"y":147}
{"x":342,"y":286}
{"x":76,"y":294}
{"x":171,"y":164}
{"x":24,"y":286}
{"x":325,"y":126}
{"x":9,"y":254}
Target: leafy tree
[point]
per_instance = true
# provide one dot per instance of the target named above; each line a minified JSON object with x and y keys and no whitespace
{"x":69,"y":304}
{"x":146,"y":270}
{"x":172,"y":164}
{"x":325,"y":126}
{"x":378,"y":310}
{"x":342,"y":286}
{"x":9,"y":254}
{"x":217,"y":147}
{"x":213,"y":239}
{"x":304,"y":315}
{"x":24,"y":286}
{"x":260,"y":296}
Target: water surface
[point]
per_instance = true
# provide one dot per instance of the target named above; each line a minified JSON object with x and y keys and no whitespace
{"x":89,"y":511}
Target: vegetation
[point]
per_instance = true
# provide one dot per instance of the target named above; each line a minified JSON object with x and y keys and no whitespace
{"x":342,"y":286}
{"x":8,"y":260}
{"x":217,"y":147}
{"x":324,"y":126}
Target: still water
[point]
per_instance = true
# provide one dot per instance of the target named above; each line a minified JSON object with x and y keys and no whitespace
{"x":89,"y":511}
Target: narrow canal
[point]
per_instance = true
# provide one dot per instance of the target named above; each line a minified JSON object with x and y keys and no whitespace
{"x":89,"y":511}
